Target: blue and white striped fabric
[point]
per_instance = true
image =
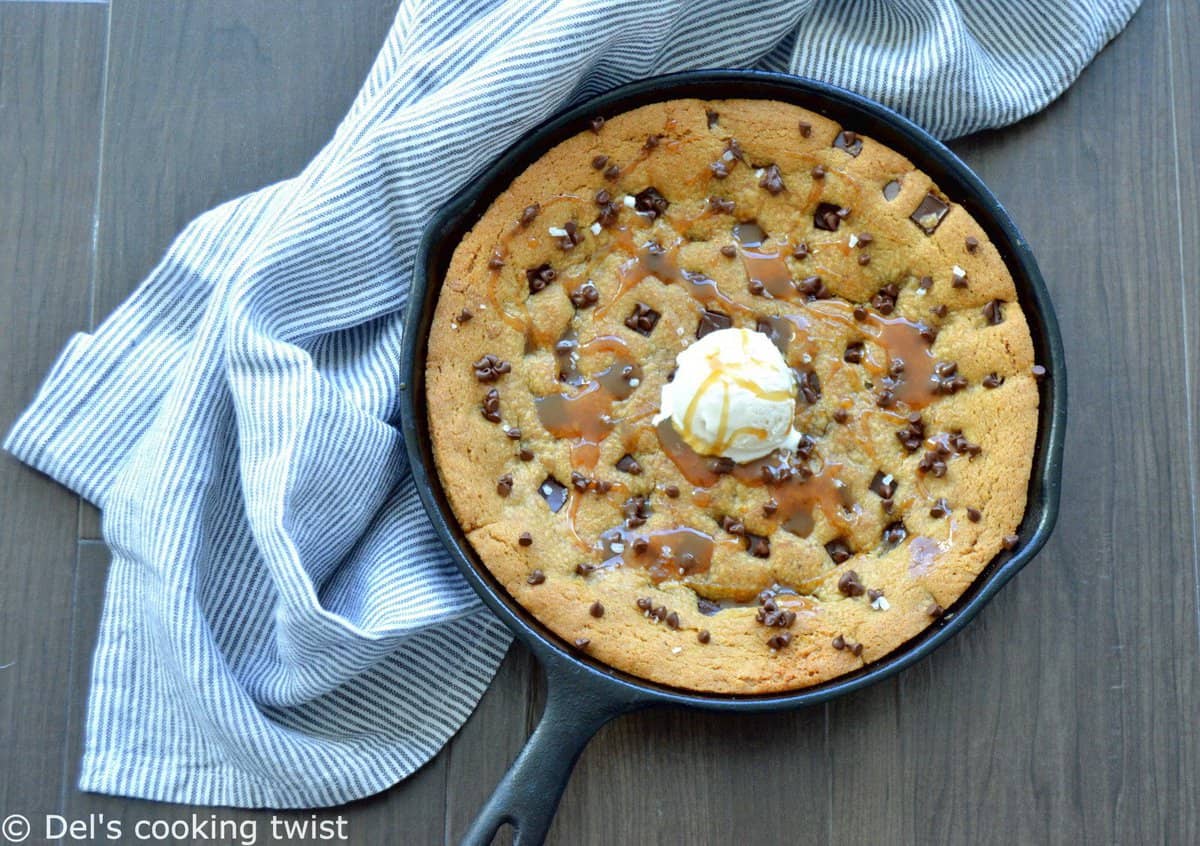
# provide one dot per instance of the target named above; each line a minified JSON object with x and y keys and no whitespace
{"x":281,"y":627}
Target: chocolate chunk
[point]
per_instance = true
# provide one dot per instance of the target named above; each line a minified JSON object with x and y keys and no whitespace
{"x":809,"y":385}
{"x":838,"y":550}
{"x":884,"y":300}
{"x":721,"y":205}
{"x":719,"y":169}
{"x":928,"y":215}
{"x":712,"y":117}
{"x":758,"y":545}
{"x":780,"y":640}
{"x":529,"y":214}
{"x":895,"y":532}
{"x":912,"y":435}
{"x":525,"y":539}
{"x":706,"y":606}
{"x":801,"y":252}
{"x":539,"y":277}
{"x":972,"y":243}
{"x":703,"y":636}
{"x":491,"y":406}
{"x":828,"y":216}
{"x":855,"y":352}
{"x":940,"y":508}
{"x":582,"y":643}
{"x":599,"y":162}
{"x":673,"y":620}
{"x":465,"y":315}
{"x":612,"y":172}
{"x":572,"y":237}
{"x":584,"y":569}
{"x":974,"y":514}
{"x":864,"y":259}
{"x":891,"y":190}
{"x":504,"y":485}
{"x":772,"y":180}
{"x":495,"y":260}
{"x":848,"y":141}
{"x":805,"y":129}
{"x":711,"y":321}
{"x":770,"y":507}
{"x":535,"y":577}
{"x":596,"y":609}
{"x":490,"y":368}
{"x":884,"y":484}
{"x":993,"y":312}
{"x":849,"y":584}
{"x":818,"y":172}
{"x":597,"y":123}
{"x":993,"y":380}
{"x":629,"y":464}
{"x":1010,"y":541}
{"x":636,"y":510}
{"x":650,"y":203}
{"x":935,"y":610}
{"x":585,"y":296}
{"x":734,"y":149}
{"x":642,"y":319}
{"x":554,"y":492}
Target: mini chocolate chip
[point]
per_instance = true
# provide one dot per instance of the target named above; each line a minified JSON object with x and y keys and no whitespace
{"x":640,"y":544}
{"x":754,"y":286}
{"x":856,"y":649}
{"x":525,"y":454}
{"x":940,"y":508}
{"x":838,"y":550}
{"x":644,"y":603}
{"x":818,"y":172}
{"x":529,"y":214}
{"x":885,"y":298}
{"x":585,"y":296}
{"x":805,"y":129}
{"x":525,"y":539}
{"x":801,"y":252}
{"x":864,"y":259}
{"x":850,"y":585}
{"x":729,"y":251}
{"x":721,"y":465}
{"x":940,"y":310}
{"x":895,"y":532}
{"x":572,"y":237}
{"x":650,"y":203}
{"x":841,"y":415}
{"x":972,"y":243}
{"x":673,"y":620}
{"x":928,"y":333}
{"x":959,"y":281}
{"x":993,"y":312}
{"x":512,"y":434}
{"x":719,"y":169}
{"x":780,"y":640}
{"x":612,"y":172}
{"x":860,"y":313}
{"x":597,"y":609}
{"x":642,"y":319}
{"x":628,"y":464}
{"x":495,"y":260}
{"x":913,"y":434}
{"x":884,"y":484}
{"x":758,"y":545}
{"x":490,"y":368}
{"x":597,"y":124}
{"x":651,"y":142}
{"x":703,"y":636}
{"x":839,"y":643}
{"x":554,"y":492}
{"x":854,"y":353}
{"x":535,"y":577}
{"x":604,"y":486}
{"x":848,"y":141}
{"x":491,"y":406}
{"x":772,"y":180}
{"x":733,"y":525}
{"x":770,"y":507}
{"x":974,"y":514}
{"x":873,"y":594}
{"x":813,"y":287}
{"x":712,"y":117}
{"x":865,"y":238}
{"x":599,"y":162}
{"x":584,"y":569}
{"x":465,"y":315}
{"x":636,"y":510}
{"x":926,"y":283}
{"x":539,"y":277}
{"x":711,"y":321}
{"x":671,"y":491}
{"x":504,"y":485}
{"x":828,"y":216}
{"x":809,"y":385}
{"x":1010,"y":541}
{"x":928,"y":215}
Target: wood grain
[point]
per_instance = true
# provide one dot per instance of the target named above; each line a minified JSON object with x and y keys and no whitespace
{"x":51,"y":66}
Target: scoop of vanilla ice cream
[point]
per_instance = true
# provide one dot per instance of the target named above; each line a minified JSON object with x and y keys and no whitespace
{"x":733,"y":395}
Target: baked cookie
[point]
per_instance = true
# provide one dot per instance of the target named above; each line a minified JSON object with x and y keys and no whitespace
{"x":631,"y":533}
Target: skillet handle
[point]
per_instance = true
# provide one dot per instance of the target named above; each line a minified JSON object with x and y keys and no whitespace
{"x":529,"y":793}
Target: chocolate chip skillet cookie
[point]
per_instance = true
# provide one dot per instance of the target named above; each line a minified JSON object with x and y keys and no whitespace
{"x":731,"y":397}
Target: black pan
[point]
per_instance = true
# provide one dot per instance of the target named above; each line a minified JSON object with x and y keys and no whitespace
{"x":584,"y":694}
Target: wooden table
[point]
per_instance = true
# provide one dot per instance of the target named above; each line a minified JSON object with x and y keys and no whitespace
{"x":1067,"y":713}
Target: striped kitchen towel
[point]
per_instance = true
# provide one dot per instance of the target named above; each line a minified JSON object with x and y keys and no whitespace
{"x":281,"y":627}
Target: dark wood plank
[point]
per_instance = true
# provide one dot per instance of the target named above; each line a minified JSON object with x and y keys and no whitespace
{"x":411,"y":812}
{"x":51,"y":67}
{"x":1066,"y":713}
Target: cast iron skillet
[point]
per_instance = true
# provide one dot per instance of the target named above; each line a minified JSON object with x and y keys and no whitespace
{"x":583,"y":694}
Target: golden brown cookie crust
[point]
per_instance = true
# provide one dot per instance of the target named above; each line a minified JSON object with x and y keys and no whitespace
{"x":973,"y":444}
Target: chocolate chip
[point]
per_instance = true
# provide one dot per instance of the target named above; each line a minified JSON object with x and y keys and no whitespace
{"x":652,"y":142}
{"x":958,"y":279}
{"x":933,"y":464}
{"x":972,"y":243}
{"x":1010,"y":541}
{"x":636,"y":510}
{"x":926,"y":283}
{"x":884,"y":300}
{"x":535,"y":577}
{"x":596,"y":609}
{"x":711,"y":321}
{"x":712,"y":117}
{"x":612,"y":172}
{"x":891,"y":190}
{"x":865,"y":238}
{"x":946,"y":379}
{"x":814,"y":288}
{"x":772,"y":180}
{"x":1038,"y":371}
{"x":855,"y":352}
{"x":841,"y":415}
{"x":465,"y":315}
{"x":721,"y":205}
{"x":912,"y":435}
{"x":818,"y":172}
{"x":504,"y":485}
{"x":884,"y":484}
{"x":993,"y":380}
{"x":734,"y":149}
{"x":513,"y":434}
{"x":993,"y":312}
{"x":886,"y":398}
{"x":490,"y":368}
{"x":729,"y":251}
{"x":650,"y":203}
{"x":597,"y":124}
{"x":525,"y":454}
{"x":848,"y":141}
{"x":828,"y":217}
{"x":673,"y":620}
{"x":856,"y":649}
{"x":974,"y":514}
{"x":585,"y":296}
{"x":928,"y":215}
{"x":838,"y":550}
{"x":758,"y":545}
{"x":721,"y":465}
{"x":629,"y":464}
{"x":495,"y":260}
{"x":584,"y":569}
{"x":864,"y":259}
{"x":530,"y":213}
{"x":940,"y":508}
{"x":780,"y":640}
{"x":525,"y":539}
{"x":809,"y":385}
{"x":839,"y":643}
{"x":539,"y":277}
{"x":580,"y":482}
{"x":599,"y":162}
{"x":733,"y":525}
{"x":644,"y":603}
{"x":801,"y":252}
{"x":873,"y":594}
{"x":805,"y":129}
{"x":940,"y":310}
{"x":770,"y":507}
{"x":703,"y":636}
{"x":491,"y":406}
{"x":849,"y":584}
{"x":928,"y":333}
{"x":671,"y":491}
{"x":608,"y":215}
{"x":642,"y":319}
{"x":554,"y":492}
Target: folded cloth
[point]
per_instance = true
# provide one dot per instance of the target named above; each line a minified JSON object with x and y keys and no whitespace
{"x":281,"y":627}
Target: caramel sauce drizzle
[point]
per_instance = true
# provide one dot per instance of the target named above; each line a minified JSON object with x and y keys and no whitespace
{"x":669,"y":554}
